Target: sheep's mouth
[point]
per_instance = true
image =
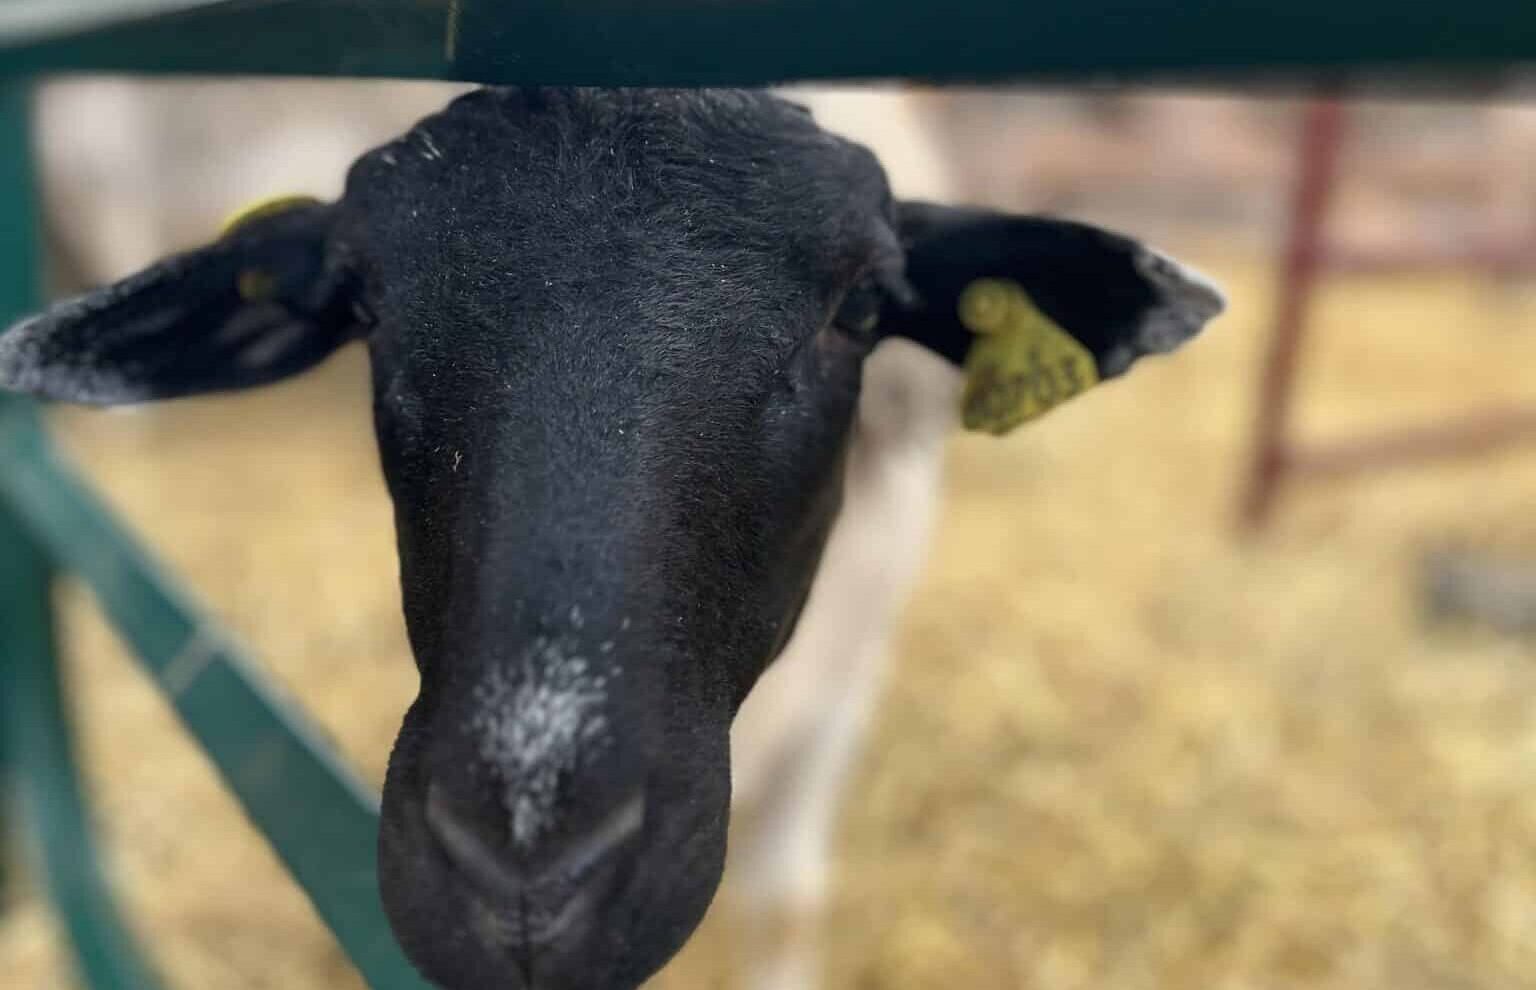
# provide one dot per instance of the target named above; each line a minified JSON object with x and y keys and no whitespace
{"x":540,"y":902}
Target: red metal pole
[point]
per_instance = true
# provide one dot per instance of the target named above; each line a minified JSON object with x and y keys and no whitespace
{"x":1322,"y":129}
{"x":1475,"y":433}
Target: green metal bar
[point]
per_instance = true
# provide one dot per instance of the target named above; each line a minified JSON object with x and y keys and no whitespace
{"x":8,"y":783}
{"x":712,"y":42}
{"x":33,"y":718}
{"x":294,"y":37}
{"x":318,"y":817}
{"x":314,"y":812}
{"x":37,"y":20}
{"x":10,"y":779}
{"x":18,"y":291}
{"x":36,"y":724}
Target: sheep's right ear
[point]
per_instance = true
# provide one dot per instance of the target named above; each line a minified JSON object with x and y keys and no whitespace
{"x":1038,"y":309}
{"x":269,"y":299}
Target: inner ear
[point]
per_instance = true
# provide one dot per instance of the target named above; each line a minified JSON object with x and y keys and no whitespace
{"x":268,"y":301}
{"x":1117,"y":297}
{"x":1038,"y":309}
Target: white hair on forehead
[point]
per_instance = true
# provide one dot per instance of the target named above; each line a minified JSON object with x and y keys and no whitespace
{"x":536,"y":722}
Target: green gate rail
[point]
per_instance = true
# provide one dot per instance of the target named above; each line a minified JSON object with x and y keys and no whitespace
{"x":33,"y":727}
{"x":318,"y":817}
{"x":714,"y":42}
{"x":321,"y":821}
{"x":41,"y":779}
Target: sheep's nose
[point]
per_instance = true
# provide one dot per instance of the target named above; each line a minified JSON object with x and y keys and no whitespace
{"x":557,"y":883}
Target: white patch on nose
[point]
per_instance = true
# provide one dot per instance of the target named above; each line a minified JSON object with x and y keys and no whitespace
{"x":535,"y":726}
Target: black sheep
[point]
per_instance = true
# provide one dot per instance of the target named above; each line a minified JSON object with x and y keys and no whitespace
{"x":617,"y":341}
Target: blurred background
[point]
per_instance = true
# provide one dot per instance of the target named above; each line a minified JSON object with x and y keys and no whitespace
{"x":1128,"y":741}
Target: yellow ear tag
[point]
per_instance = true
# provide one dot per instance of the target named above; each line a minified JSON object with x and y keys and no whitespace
{"x":1021,"y":364}
{"x":261,"y":209}
{"x":253,"y":284}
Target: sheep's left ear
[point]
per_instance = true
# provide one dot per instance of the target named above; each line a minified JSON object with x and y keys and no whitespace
{"x":1038,"y":309}
{"x":269,"y":299}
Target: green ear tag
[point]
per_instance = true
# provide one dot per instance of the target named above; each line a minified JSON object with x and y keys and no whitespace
{"x":1021,"y":364}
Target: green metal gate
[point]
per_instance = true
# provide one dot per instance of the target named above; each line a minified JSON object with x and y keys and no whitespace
{"x":315,"y":813}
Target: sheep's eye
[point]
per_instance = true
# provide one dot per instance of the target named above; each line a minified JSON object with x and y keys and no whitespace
{"x":858,"y":315}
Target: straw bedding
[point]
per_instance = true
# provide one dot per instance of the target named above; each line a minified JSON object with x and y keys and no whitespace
{"x":1121,"y":748}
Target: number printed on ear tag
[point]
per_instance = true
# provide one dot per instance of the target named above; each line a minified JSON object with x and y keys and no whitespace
{"x":1021,"y":364}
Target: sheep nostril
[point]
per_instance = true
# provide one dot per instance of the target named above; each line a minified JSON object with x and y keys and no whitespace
{"x":590,"y":848}
{"x":480,"y":858}
{"x":491,"y":864}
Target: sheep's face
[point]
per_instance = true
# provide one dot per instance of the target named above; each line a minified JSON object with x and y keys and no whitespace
{"x":616,"y":341}
{"x":614,"y":375}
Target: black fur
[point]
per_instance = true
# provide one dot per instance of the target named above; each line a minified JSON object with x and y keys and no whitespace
{"x":1065,"y":267}
{"x":617,"y":339}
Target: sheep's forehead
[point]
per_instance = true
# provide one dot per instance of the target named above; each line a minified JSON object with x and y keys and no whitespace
{"x":701,"y":241}
{"x":513,"y":171}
